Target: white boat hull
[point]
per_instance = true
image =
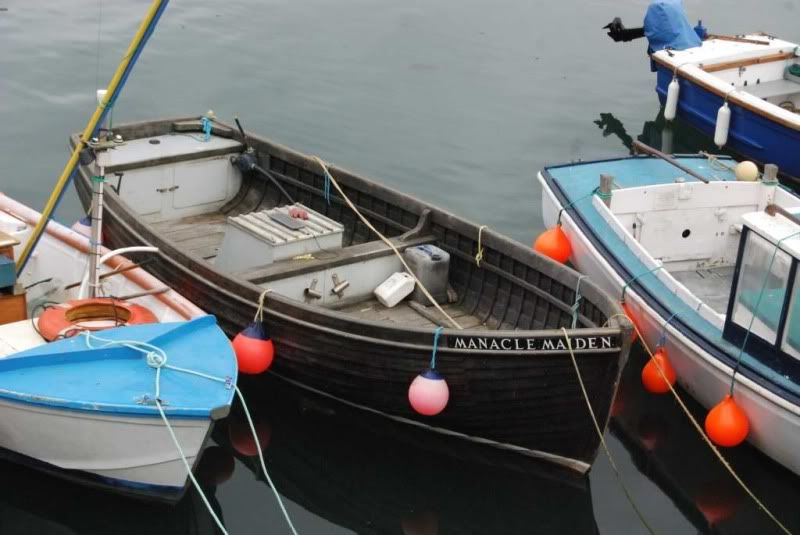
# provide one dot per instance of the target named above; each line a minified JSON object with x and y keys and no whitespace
{"x":132,"y":453}
{"x":774,"y":422}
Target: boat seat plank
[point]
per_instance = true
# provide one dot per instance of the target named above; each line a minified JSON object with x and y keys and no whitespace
{"x":712,"y":286}
{"x":403,"y":314}
{"x":773,"y":88}
{"x":329,"y":259}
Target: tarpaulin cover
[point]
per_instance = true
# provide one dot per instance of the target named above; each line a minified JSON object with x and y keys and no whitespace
{"x":666,"y":26}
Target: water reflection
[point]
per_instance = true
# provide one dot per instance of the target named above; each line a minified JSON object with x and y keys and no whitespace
{"x":668,"y":450}
{"x":35,"y":503}
{"x":366,"y":474}
{"x":672,"y":137}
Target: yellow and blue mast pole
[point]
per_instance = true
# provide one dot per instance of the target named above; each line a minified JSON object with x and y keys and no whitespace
{"x":113,"y":90}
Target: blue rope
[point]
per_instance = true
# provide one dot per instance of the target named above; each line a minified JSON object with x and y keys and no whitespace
{"x":326,"y":188}
{"x":436,"y":334}
{"x":206,"y":122}
{"x":625,"y":286}
{"x":663,"y":338}
{"x":755,"y":309}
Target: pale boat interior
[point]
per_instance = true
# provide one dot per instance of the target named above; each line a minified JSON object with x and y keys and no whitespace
{"x":760,"y":70}
{"x":693,"y":230}
{"x":199,"y":208}
{"x":53,"y":266}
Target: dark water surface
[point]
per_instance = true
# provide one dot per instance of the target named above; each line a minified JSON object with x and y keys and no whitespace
{"x":459,"y":102}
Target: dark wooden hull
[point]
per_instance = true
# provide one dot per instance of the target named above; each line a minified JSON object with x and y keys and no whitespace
{"x":527,"y":401}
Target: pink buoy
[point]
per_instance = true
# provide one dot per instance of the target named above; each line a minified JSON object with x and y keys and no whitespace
{"x":428,"y":393}
{"x":254,"y":349}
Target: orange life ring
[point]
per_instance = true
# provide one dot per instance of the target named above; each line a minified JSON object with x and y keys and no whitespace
{"x":72,"y":317}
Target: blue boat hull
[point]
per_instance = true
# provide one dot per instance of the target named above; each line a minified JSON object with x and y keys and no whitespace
{"x":752,"y":136}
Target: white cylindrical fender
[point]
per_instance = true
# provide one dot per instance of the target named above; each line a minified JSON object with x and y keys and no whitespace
{"x":723,"y":124}
{"x":671,"y":106}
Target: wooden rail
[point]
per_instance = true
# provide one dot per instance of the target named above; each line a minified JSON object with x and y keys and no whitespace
{"x":736,"y":39}
{"x":773,"y":209}
{"x":639,"y":146}
{"x":758,"y":60}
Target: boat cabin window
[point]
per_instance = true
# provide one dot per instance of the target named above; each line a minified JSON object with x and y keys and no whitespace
{"x":791,"y":335}
{"x":750,"y":300}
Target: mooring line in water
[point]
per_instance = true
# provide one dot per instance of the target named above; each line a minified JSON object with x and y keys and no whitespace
{"x":157,"y":358}
{"x":702,"y":433}
{"x":602,"y":438}
{"x":385,"y":240}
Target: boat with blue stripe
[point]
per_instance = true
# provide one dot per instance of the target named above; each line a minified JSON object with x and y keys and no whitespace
{"x":708,"y":271}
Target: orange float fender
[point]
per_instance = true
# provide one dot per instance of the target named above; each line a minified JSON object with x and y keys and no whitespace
{"x":72,"y":317}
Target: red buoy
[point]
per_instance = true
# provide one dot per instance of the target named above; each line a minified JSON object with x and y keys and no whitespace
{"x":428,"y":393}
{"x":727,"y":424}
{"x":628,"y":312}
{"x":254,"y":349}
{"x":718,"y":500}
{"x":652,"y":430}
{"x":242,"y":438}
{"x":216,"y":466}
{"x":653,"y":379}
{"x":554,"y":243}
{"x":422,"y":523}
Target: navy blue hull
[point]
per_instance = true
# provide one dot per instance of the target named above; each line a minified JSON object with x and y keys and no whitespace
{"x":751,"y":135}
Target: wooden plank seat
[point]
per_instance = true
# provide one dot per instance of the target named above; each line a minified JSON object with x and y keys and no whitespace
{"x":773,"y":88}
{"x":328,"y":258}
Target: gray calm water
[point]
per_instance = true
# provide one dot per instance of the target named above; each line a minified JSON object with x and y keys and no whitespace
{"x":458,"y":102}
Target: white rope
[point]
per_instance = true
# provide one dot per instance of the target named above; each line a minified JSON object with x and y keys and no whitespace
{"x":386,"y":241}
{"x":156,"y":358}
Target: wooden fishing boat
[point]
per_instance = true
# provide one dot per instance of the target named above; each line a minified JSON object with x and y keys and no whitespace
{"x":743,"y":91}
{"x":216,"y":206}
{"x":83,"y":407}
{"x":689,"y":258}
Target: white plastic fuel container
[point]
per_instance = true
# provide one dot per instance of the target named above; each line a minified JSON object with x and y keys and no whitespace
{"x":394,"y":289}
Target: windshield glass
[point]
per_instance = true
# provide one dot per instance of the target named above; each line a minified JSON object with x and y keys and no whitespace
{"x":761,"y":290}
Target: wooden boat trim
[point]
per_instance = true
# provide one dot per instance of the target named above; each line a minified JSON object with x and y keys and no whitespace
{"x":138,"y":276}
{"x":725,"y":65}
{"x":731,"y":96}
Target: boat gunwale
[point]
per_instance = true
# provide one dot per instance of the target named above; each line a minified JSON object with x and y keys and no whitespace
{"x":765,"y":110}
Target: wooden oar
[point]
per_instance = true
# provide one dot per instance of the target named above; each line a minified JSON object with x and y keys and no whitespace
{"x":639,"y":146}
{"x":773,"y":209}
{"x":736,"y":39}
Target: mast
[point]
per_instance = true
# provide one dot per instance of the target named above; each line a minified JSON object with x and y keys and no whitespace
{"x":115,"y":86}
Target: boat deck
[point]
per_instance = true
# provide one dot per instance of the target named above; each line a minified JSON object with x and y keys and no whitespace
{"x":413,"y":315}
{"x":200,"y":235}
{"x":712,"y":286}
